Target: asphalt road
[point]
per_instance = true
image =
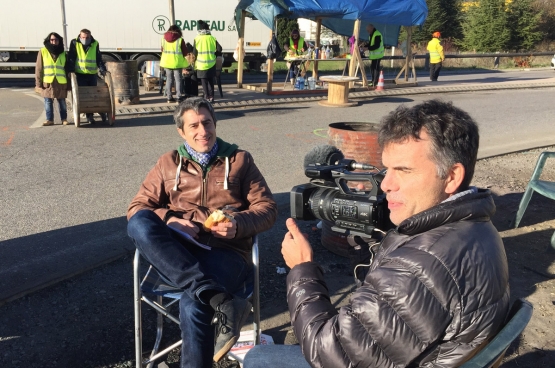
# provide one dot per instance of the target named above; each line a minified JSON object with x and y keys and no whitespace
{"x":65,"y":191}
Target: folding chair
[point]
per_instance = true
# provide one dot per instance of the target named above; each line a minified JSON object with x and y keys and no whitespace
{"x":492,"y":354}
{"x":543,"y":187}
{"x":155,"y":291}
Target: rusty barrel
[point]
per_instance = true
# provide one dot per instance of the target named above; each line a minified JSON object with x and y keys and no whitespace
{"x":125,"y":80}
{"x":357,"y":141}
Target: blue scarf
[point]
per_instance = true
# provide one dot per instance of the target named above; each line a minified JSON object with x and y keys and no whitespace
{"x":202,"y":158}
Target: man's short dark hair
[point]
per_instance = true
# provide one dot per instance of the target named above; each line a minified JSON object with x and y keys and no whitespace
{"x":84,"y":30}
{"x":195,"y":104}
{"x":454,"y":134}
{"x":175,"y":29}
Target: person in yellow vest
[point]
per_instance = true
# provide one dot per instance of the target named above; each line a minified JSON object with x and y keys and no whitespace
{"x":206,"y":49}
{"x":376,"y":52}
{"x":85,"y":59}
{"x":51,"y":77}
{"x":295,"y":48}
{"x":173,"y":61}
{"x":436,"y":56}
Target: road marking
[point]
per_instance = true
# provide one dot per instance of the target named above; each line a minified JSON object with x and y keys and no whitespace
{"x":9,"y":141}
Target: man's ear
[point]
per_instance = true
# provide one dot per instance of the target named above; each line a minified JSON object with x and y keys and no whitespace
{"x":454,"y":178}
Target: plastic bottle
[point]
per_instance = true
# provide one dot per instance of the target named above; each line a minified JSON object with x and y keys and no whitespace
{"x":316,"y":53}
{"x":328,"y":53}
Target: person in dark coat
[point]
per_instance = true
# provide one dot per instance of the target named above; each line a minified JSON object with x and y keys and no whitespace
{"x":437,"y":289}
{"x":51,"y":77}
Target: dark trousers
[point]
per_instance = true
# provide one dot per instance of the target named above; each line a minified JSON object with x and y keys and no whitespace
{"x":375,"y":71}
{"x":434,"y":71}
{"x":193,"y":269}
{"x":88,"y":80}
{"x":208,"y":87}
{"x":190,"y":84}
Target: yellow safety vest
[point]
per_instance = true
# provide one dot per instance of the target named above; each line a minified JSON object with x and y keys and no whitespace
{"x":206,"y":48}
{"x":172,"y":55}
{"x":380,"y":51}
{"x":86,"y":62}
{"x":436,"y":51}
{"x":53,"y":69}
{"x":300,"y":45}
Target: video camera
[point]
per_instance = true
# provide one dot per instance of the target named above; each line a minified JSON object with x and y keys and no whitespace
{"x":328,"y":196}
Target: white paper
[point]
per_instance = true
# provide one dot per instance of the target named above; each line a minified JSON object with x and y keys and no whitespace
{"x":190,"y":238}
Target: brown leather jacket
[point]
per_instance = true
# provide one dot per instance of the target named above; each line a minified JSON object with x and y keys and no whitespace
{"x":198,"y":194}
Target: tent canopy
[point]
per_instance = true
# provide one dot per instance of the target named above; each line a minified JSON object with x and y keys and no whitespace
{"x":339,"y":15}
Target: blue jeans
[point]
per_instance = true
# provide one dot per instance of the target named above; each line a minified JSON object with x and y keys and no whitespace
{"x":49,"y":107}
{"x":172,"y":74}
{"x":192,"y":269}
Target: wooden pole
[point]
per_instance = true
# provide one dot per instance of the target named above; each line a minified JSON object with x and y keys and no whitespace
{"x":318,"y":33}
{"x":352,"y":64}
{"x":241,"y":50}
{"x":270,"y":71}
{"x":408,"y":58}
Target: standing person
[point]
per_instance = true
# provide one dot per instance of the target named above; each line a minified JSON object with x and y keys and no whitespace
{"x":436,"y":56}
{"x":376,"y":52}
{"x":85,"y":59}
{"x":185,"y":186}
{"x":438,"y":288}
{"x":206,"y":48}
{"x":174,"y":52}
{"x":294,"y":49}
{"x":190,"y":81}
{"x":51,"y":77}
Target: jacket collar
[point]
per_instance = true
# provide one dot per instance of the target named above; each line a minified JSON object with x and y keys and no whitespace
{"x":472,"y":206}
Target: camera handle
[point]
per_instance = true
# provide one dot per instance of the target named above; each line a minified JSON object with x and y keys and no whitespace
{"x":342,"y":184}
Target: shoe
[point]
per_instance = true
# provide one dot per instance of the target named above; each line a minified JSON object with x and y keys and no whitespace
{"x":47,"y":123}
{"x":229,"y":318}
{"x":211,"y":99}
{"x":65,"y":122}
{"x":91,"y":120}
{"x":104,"y":117}
{"x":181,"y":99}
{"x":170,"y":100}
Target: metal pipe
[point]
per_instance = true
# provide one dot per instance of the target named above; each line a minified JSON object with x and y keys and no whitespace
{"x":172,"y":13}
{"x":64,"y":25}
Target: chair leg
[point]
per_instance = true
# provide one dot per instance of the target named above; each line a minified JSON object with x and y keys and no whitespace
{"x":522,"y":206}
{"x":159,"y":332}
{"x":137,"y":304}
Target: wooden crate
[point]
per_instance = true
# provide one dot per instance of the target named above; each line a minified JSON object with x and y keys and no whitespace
{"x":150,"y":83}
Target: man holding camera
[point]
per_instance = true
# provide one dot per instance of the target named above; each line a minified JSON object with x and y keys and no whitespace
{"x":437,"y":290}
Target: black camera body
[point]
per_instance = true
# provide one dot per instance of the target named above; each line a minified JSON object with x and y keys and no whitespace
{"x":328,"y":197}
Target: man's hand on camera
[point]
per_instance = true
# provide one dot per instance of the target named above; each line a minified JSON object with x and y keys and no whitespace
{"x":295,"y":247}
{"x":225,"y":230}
{"x":186,"y":226}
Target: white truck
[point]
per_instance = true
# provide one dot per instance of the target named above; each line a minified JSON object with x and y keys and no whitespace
{"x":125,"y":30}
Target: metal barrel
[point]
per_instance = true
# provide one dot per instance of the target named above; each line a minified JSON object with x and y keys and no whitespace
{"x":125,"y":80}
{"x":357,"y":141}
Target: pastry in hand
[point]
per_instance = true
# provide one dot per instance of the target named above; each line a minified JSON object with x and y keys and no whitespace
{"x":215,"y":218}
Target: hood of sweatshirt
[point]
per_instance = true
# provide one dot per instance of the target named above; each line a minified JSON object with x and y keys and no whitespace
{"x":171,"y":36}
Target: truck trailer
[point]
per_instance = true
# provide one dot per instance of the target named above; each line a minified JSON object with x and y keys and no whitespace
{"x":125,"y":30}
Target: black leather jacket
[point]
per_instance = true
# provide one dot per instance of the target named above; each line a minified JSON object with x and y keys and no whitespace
{"x":437,"y":290}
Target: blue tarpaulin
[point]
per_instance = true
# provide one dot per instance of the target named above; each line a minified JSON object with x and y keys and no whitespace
{"x":339,"y":15}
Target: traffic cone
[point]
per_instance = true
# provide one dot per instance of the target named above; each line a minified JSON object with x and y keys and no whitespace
{"x":381,"y":82}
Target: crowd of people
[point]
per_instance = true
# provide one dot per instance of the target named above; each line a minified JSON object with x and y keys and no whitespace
{"x":183,"y":65}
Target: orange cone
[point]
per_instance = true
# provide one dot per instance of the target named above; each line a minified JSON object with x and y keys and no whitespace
{"x":381,"y":82}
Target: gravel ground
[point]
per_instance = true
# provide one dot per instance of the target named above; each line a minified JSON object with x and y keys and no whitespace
{"x":87,"y":321}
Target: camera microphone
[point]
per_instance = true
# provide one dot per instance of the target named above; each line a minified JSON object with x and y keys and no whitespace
{"x":326,"y":154}
{"x":323,"y":154}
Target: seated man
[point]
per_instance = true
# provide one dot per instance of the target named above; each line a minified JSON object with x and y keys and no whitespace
{"x":438,"y":288}
{"x":180,"y":192}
